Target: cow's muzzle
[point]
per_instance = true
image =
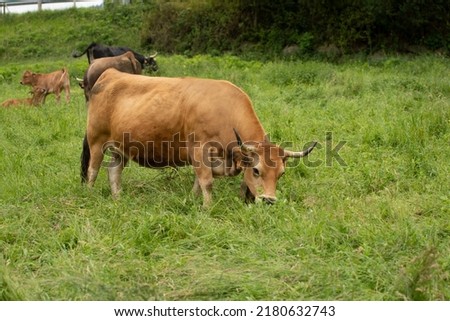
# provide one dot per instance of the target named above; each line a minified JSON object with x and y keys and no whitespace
{"x":267,"y":199}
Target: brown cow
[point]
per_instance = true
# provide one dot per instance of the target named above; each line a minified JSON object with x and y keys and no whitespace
{"x":38,"y":98}
{"x":125,"y":63}
{"x":161,"y":122}
{"x":53,"y":82}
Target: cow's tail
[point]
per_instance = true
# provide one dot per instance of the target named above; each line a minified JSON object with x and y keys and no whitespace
{"x":78,"y":55}
{"x":65,"y":78}
{"x":85,"y":157}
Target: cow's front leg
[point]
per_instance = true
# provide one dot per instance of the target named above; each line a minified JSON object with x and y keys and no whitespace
{"x":205,"y":183}
{"x":203,"y":172}
{"x":246,"y":194}
{"x":203,"y":179}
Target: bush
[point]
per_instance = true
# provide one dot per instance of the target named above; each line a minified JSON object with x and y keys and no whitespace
{"x":268,"y":26}
{"x":251,"y":28}
{"x":192,"y":27}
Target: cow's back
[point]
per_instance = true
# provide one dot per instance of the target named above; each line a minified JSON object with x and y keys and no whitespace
{"x":54,"y":80}
{"x":158,"y":109}
{"x":142,"y":103}
{"x":125,"y":63}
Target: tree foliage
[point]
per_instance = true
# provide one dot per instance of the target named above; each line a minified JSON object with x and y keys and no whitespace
{"x":350,"y":25}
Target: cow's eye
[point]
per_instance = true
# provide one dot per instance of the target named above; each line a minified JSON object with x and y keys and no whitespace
{"x":255,"y":172}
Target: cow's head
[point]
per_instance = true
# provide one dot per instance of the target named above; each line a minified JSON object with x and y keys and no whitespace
{"x":27,"y":78}
{"x":80,"y":82}
{"x":151,"y":62}
{"x":262,"y":163}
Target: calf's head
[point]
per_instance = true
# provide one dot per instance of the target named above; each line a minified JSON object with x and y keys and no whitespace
{"x":262,"y":164}
{"x":28,"y":78}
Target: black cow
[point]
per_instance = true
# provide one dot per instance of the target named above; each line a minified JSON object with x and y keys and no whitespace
{"x":95,"y":51}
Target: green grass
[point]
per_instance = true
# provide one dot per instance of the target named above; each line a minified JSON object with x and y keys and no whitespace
{"x":58,"y":33}
{"x":375,"y":229}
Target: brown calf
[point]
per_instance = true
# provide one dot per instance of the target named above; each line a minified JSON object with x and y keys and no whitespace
{"x":37,"y":99}
{"x":53,"y":82}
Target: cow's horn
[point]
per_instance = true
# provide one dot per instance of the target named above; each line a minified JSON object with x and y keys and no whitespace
{"x":244,"y":147}
{"x":288,"y":153}
{"x":78,"y":79}
{"x":238,"y":137}
{"x":154,"y":55}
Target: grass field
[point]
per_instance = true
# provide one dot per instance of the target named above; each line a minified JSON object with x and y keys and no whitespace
{"x":369,"y":221}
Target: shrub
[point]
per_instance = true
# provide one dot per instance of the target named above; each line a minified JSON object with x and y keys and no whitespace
{"x":354,"y":26}
{"x":191,"y":27}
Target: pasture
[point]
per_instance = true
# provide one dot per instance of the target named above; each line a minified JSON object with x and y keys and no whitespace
{"x":367,"y":218}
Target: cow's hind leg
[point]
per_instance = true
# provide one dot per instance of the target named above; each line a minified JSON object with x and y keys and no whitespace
{"x":115,"y":168}
{"x":196,"y":188}
{"x":58,"y":96}
{"x":67,"y":92}
{"x":94,"y":163}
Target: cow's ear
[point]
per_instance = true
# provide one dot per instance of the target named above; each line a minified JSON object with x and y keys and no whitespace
{"x":238,"y":157}
{"x":242,"y":158}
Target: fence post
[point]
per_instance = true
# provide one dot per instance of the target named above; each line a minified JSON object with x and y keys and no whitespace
{"x":39,"y":3}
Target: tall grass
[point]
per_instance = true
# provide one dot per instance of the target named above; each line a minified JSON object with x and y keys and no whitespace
{"x":374,"y":228}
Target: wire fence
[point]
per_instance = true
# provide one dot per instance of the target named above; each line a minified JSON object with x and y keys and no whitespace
{"x":4,"y":4}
